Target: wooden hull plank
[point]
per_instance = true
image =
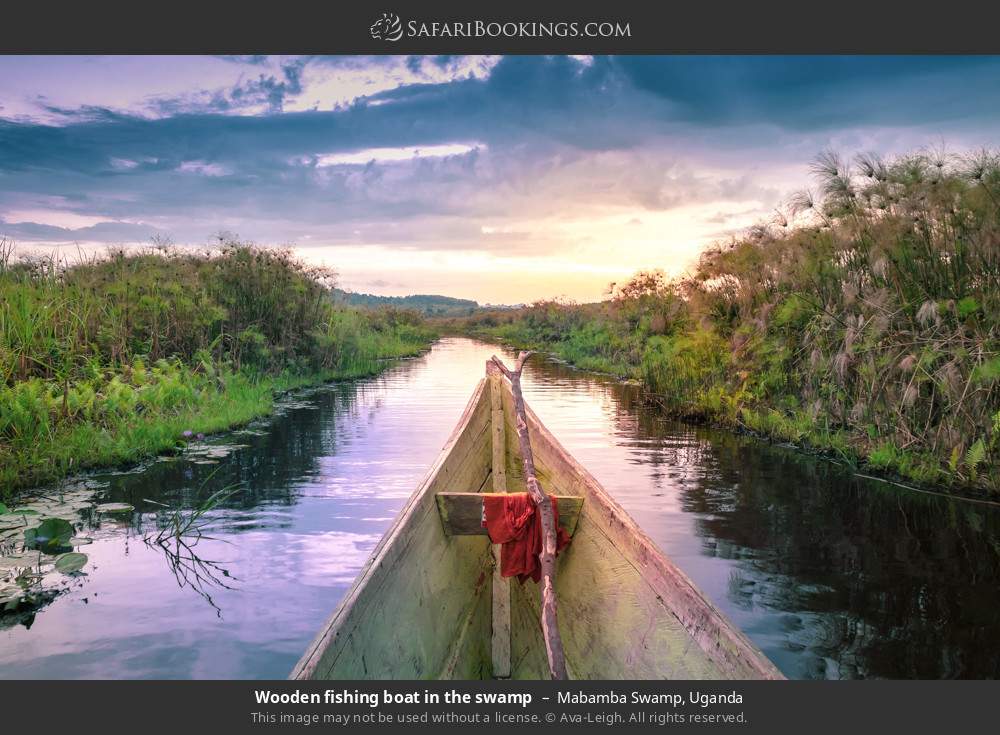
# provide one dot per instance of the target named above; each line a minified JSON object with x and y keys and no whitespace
{"x":500,"y":612}
{"x":402,"y":617}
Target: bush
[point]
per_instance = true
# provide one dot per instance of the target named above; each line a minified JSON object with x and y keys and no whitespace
{"x":105,"y":360}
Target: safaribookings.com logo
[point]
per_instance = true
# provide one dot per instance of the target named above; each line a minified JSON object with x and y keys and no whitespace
{"x":387,"y":28}
{"x":390,"y":28}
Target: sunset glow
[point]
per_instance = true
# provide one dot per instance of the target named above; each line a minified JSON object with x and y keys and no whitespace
{"x":498,"y":179}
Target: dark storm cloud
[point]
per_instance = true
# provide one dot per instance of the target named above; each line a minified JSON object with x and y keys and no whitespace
{"x":818,"y":92}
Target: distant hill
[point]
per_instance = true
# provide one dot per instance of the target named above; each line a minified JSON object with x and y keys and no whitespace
{"x":428,"y":304}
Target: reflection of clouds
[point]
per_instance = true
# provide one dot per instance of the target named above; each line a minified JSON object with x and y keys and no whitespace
{"x":380,"y":487}
{"x":829,"y":580}
{"x":333,"y":558}
{"x":831,"y":577}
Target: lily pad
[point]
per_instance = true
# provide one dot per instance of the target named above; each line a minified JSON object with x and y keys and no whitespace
{"x":114,"y":508}
{"x":19,"y":561}
{"x":53,"y":532}
{"x":71,"y":562}
{"x":11,"y":521}
{"x":80,"y":541}
{"x":212,"y":451}
{"x":3,"y":509}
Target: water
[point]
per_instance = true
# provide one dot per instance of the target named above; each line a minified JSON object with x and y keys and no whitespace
{"x":831,"y":575}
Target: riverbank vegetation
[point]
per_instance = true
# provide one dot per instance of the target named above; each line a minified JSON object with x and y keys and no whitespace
{"x":861,"y":321}
{"x":116,"y":357}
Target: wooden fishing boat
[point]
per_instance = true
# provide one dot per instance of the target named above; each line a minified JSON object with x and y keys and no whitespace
{"x":430,"y":603}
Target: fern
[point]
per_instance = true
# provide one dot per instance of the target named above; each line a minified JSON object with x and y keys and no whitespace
{"x":974,"y":457}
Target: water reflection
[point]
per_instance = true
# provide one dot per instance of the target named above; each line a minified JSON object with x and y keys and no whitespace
{"x":831,"y":575}
{"x":191,"y":570}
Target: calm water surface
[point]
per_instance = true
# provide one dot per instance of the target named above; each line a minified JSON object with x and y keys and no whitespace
{"x":832,"y":576}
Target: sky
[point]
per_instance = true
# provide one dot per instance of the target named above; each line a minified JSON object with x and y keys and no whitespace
{"x":501,"y":179}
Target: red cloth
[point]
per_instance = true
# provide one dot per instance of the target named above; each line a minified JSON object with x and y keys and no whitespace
{"x":512,"y":519}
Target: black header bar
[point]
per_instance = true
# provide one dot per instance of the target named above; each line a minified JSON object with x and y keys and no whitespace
{"x":440,"y":27}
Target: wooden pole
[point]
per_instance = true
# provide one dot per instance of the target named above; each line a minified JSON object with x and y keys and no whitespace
{"x":547,"y":559}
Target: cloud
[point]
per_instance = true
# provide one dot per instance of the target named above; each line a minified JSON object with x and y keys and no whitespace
{"x":369,"y":156}
{"x":111,"y":232}
{"x":817,"y":92}
{"x":514,"y":155}
{"x":265,"y":92}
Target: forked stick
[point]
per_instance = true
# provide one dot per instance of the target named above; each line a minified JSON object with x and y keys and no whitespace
{"x":547,"y":559}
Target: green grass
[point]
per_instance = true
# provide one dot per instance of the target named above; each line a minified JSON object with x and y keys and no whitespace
{"x":111,"y":360}
{"x":45,"y":451}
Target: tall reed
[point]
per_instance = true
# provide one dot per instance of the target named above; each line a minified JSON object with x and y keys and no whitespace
{"x":863,"y":318}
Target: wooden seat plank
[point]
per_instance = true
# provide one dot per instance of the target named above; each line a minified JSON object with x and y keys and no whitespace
{"x":462,"y":513}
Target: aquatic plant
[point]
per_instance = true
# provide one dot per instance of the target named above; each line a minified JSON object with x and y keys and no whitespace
{"x":37,"y":538}
{"x":70,"y":562}
{"x":179,"y":531}
{"x":181,"y":522}
{"x":51,"y":534}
